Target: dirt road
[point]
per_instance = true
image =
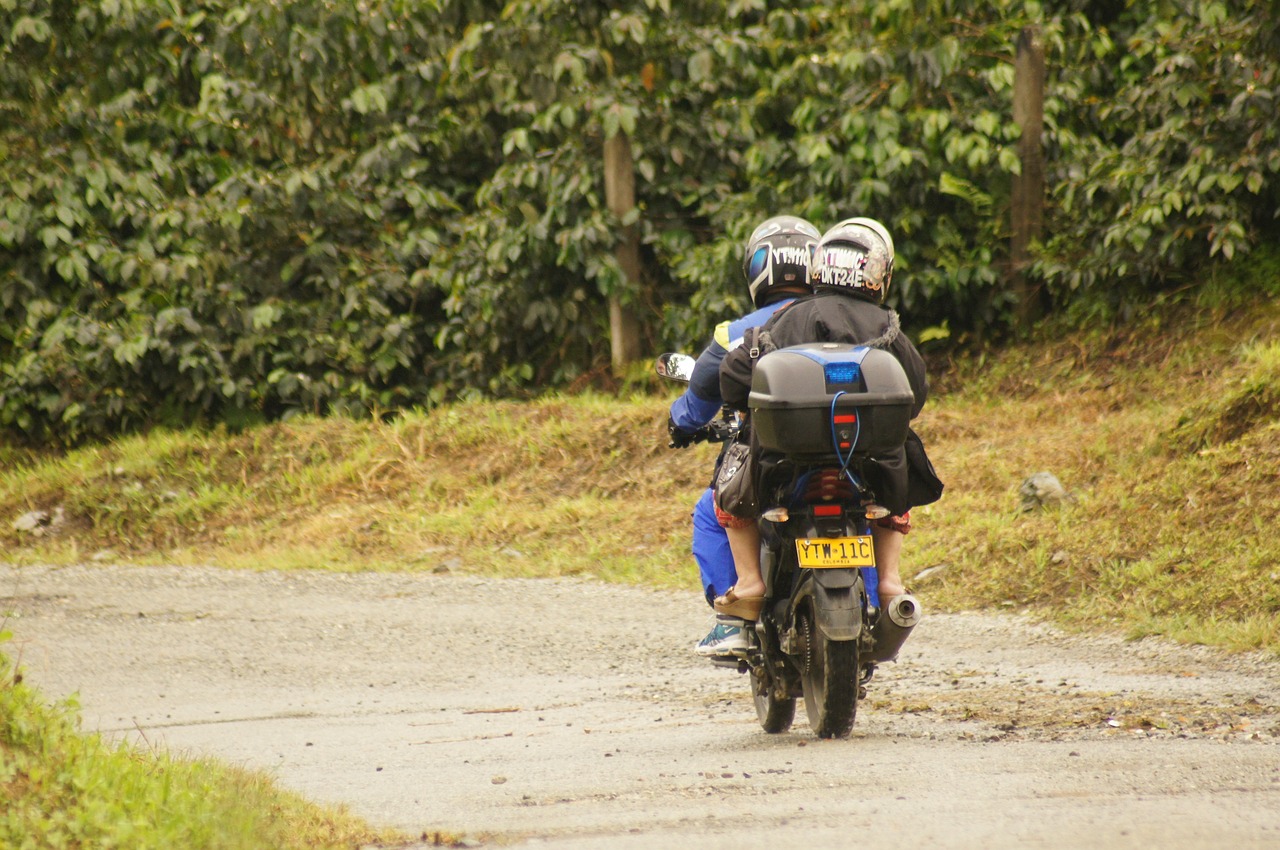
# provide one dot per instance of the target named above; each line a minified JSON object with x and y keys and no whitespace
{"x":572,"y":714}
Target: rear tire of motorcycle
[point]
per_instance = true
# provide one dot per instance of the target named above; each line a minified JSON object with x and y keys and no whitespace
{"x":775,"y":714}
{"x":830,"y":679}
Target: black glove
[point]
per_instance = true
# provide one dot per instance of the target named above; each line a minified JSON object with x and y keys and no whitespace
{"x":679,"y":439}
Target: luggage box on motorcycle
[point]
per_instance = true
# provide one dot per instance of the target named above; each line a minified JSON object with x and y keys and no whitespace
{"x":808,"y":399}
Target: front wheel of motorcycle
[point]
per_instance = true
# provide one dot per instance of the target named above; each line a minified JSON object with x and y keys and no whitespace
{"x":775,"y":713}
{"x":830,"y":678}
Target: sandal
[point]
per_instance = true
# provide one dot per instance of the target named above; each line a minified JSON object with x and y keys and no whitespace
{"x":746,"y":607}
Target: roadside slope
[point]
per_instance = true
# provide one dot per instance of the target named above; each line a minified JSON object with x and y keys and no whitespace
{"x":1163,"y":431}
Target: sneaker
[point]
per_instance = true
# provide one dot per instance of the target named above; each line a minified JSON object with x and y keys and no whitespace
{"x":724,"y":639}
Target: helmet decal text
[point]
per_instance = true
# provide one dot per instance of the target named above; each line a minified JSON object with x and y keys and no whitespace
{"x":840,"y":266}
{"x":778,"y":256}
{"x":792,"y":255}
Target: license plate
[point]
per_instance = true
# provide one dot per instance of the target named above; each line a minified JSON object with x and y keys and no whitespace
{"x":828,"y":553}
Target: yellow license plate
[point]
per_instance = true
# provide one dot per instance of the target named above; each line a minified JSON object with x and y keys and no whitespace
{"x":828,"y":553}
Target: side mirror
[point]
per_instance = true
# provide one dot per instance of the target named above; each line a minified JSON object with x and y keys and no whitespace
{"x":676,"y":367}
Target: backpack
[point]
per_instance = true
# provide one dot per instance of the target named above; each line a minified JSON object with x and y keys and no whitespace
{"x":738,"y":472}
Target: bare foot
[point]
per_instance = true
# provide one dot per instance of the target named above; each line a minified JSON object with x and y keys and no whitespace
{"x":888,"y":590}
{"x":748,"y":590}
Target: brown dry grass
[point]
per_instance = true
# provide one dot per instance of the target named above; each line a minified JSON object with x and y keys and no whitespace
{"x":1165,"y":431}
{"x":1169,"y":533}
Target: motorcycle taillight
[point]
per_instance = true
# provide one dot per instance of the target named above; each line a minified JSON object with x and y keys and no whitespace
{"x":828,"y":486}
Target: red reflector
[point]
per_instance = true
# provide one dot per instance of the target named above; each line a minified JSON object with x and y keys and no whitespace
{"x":846,"y":419}
{"x":845,"y":445}
{"x":826,"y":510}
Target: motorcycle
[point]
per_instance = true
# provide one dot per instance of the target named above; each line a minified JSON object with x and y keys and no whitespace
{"x":819,"y":412}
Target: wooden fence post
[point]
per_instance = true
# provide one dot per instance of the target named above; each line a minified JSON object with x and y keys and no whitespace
{"x":620,"y":195}
{"x":1028,"y":187}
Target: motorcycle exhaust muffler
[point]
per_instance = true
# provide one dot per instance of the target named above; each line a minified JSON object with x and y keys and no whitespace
{"x":893,"y":626}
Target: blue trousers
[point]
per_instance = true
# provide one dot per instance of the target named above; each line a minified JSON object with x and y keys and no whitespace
{"x":711,"y":548}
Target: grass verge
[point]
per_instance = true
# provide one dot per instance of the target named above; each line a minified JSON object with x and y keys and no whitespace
{"x":62,"y":788}
{"x":1167,"y":435}
{"x":1164,"y":430}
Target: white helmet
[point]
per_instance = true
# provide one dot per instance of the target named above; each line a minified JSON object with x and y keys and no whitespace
{"x":855,"y":256}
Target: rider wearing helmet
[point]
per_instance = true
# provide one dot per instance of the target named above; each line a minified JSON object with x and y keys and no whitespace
{"x":776,"y":258}
{"x":851,"y":272}
{"x":775,"y":263}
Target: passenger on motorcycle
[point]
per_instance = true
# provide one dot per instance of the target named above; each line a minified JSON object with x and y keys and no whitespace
{"x":775,"y":262}
{"x":850,"y":275}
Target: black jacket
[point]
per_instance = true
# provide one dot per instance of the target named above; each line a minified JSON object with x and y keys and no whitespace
{"x":826,"y":316}
{"x":831,"y":316}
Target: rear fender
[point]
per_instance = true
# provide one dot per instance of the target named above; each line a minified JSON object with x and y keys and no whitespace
{"x":837,"y":602}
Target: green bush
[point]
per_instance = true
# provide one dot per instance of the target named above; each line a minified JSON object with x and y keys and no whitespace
{"x":1171,"y":157}
{"x":232,"y":211}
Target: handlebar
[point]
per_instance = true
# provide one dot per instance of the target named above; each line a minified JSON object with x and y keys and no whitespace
{"x":716,"y":431}
{"x":713,"y":432}
{"x":679,"y":367}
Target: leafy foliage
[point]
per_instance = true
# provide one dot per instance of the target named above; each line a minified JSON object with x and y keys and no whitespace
{"x":233,"y":223}
{"x":1173,"y":160}
{"x":228,"y":211}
